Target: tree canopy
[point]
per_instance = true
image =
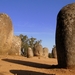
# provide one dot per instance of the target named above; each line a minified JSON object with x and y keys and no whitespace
{"x":28,"y":42}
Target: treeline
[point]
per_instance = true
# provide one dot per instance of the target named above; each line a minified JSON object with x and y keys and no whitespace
{"x":36,"y":46}
{"x":28,"y":42}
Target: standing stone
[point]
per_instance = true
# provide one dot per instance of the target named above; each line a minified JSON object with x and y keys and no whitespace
{"x":6,"y":33}
{"x":54,"y":53}
{"x":16,"y":46}
{"x":65,"y":36}
{"x":38,"y":50}
{"x":29,"y":53}
{"x":45,"y":52}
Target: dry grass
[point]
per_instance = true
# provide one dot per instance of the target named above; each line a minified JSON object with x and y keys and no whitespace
{"x":18,"y":65}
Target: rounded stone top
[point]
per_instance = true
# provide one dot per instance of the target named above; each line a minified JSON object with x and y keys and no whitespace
{"x":68,"y":10}
{"x":1,"y":14}
{"x":69,"y":7}
{"x":45,"y":49}
{"x":4,"y":16}
{"x":5,"y":20}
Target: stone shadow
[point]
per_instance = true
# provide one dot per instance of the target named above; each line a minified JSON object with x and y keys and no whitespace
{"x":26,"y":72}
{"x":31,"y":64}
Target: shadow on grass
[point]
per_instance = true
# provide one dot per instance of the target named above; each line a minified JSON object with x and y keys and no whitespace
{"x":26,"y":72}
{"x":31,"y":64}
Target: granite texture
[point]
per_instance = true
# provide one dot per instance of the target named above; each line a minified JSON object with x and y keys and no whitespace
{"x":6,"y":33}
{"x":65,"y":36}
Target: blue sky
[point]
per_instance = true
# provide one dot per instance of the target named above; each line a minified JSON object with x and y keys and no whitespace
{"x":36,"y":18}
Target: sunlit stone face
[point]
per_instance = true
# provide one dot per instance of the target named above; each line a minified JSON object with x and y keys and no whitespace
{"x":6,"y":33}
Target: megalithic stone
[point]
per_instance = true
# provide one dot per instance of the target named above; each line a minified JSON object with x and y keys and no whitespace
{"x":16,"y":46}
{"x":65,"y":36}
{"x":54,"y":53}
{"x":6,"y":33}
{"x":38,"y":50}
{"x":29,"y":53}
{"x":45,"y":52}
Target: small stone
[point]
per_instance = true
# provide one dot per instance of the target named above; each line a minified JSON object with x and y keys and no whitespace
{"x":29,"y":53}
{"x":45,"y":52}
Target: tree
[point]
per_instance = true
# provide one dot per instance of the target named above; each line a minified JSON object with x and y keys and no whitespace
{"x":28,"y":42}
{"x":24,"y":45}
{"x":32,"y":42}
{"x":37,"y":42}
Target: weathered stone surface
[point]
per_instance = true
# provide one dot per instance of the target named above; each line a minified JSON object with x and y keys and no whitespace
{"x":54,"y":53}
{"x":6,"y":33}
{"x":29,"y":53}
{"x":38,"y":50}
{"x":65,"y":36}
{"x":45,"y":52}
{"x":16,"y":46}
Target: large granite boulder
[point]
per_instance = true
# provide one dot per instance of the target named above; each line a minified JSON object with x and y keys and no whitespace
{"x":65,"y":36}
{"x":6,"y":33}
{"x":16,"y":46}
